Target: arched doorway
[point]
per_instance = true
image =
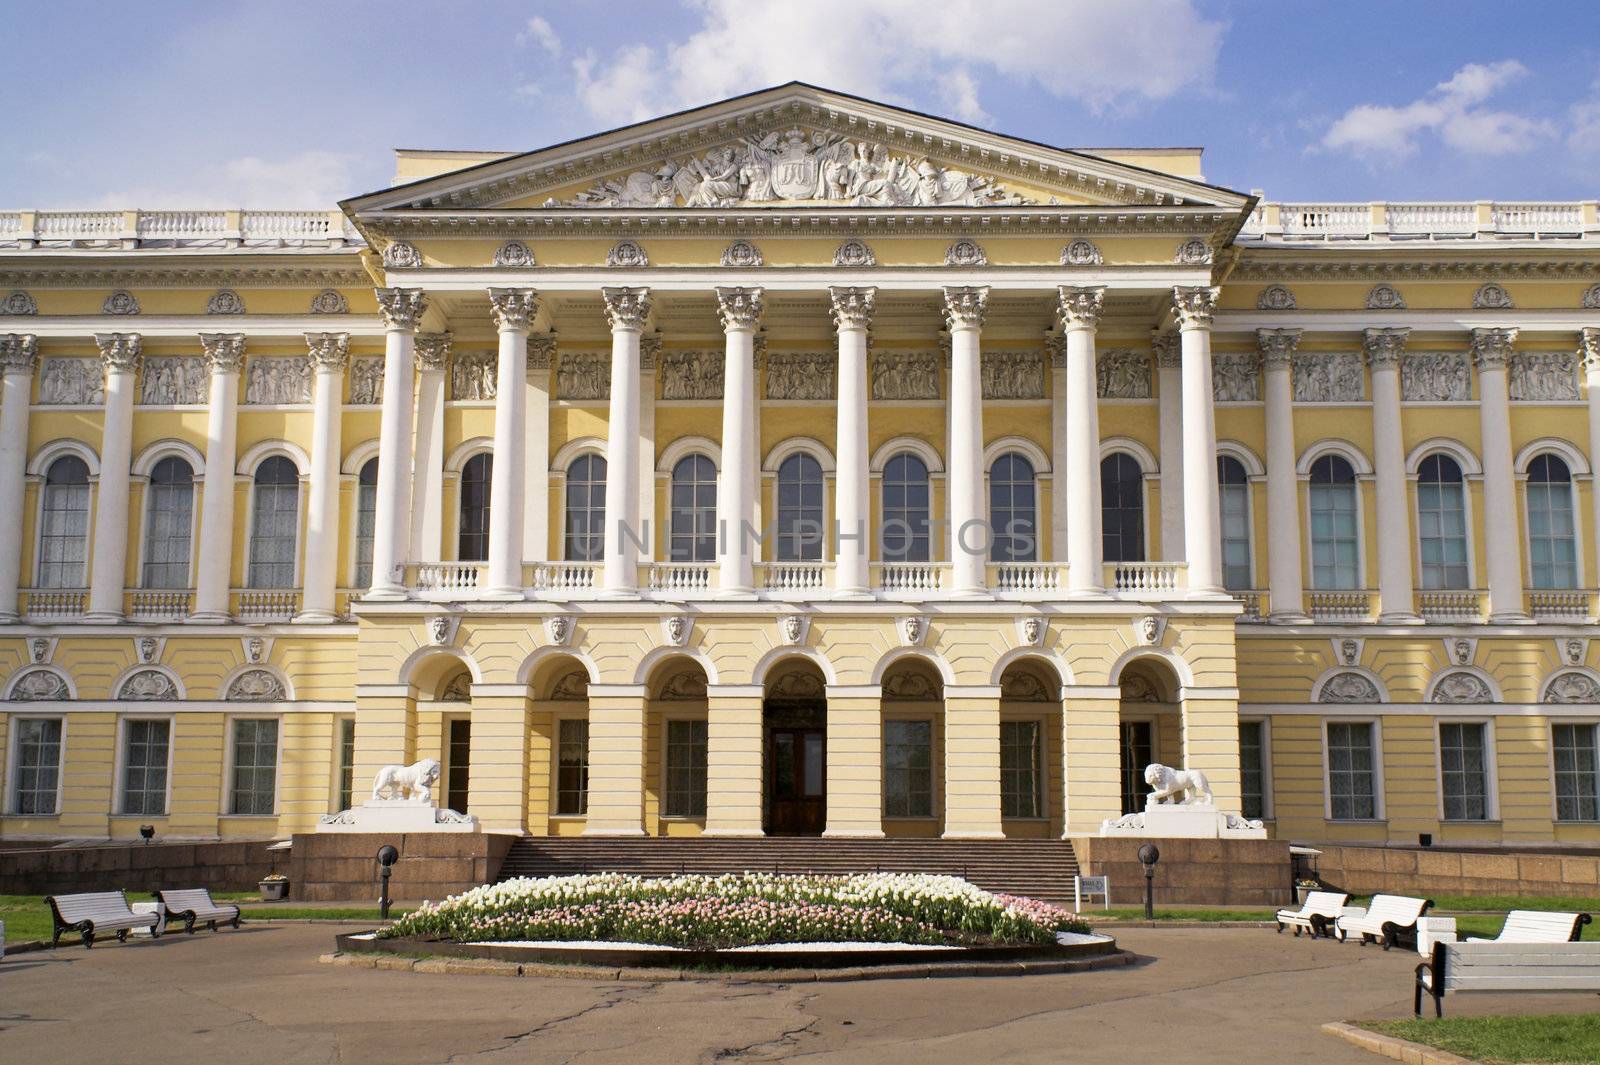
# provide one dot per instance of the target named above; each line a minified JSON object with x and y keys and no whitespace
{"x":1150,"y":726}
{"x":795,"y":733}
{"x":558,"y":748}
{"x":675,"y":753}
{"x":1031,"y":801}
{"x":913,"y":749}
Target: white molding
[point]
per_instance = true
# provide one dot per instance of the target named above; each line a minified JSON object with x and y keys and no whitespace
{"x":1253,"y":466}
{"x":539,"y":655}
{"x":1062,"y":668}
{"x":48,"y":453}
{"x":583,"y":445}
{"x":1021,"y":445}
{"x":1148,"y":463}
{"x":144,"y":464}
{"x":25,"y":670}
{"x":406,"y":674}
{"x":923,"y":654}
{"x":684,"y":446}
{"x":1182,"y":674}
{"x":465,"y":452}
{"x":1354,"y":455}
{"x":776,"y":656}
{"x":643,"y":673}
{"x":265,"y":449}
{"x":915,"y":445}
{"x":1570,"y":453}
{"x":1470,"y":466}
{"x":810,"y":445}
{"x":358,"y":456}
{"x":186,"y":327}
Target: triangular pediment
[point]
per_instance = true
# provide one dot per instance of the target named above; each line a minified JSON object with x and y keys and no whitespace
{"x":795,"y":146}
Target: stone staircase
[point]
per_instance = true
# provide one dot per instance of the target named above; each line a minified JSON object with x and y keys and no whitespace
{"x":1037,"y":868}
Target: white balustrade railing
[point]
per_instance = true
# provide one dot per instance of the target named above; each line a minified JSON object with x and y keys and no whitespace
{"x":793,"y":576}
{"x":1572,"y":605}
{"x":1459,"y":220}
{"x":180,"y":225}
{"x":563,"y":576}
{"x":678,"y":577}
{"x":10,"y":224}
{"x":1253,"y":603}
{"x":1028,"y":577}
{"x":916,"y":577}
{"x":1450,"y":605}
{"x":212,"y":227}
{"x":1340,"y":606}
{"x":1539,"y":219}
{"x":160,"y":604}
{"x":55,"y":602}
{"x":449,"y":576}
{"x":266,"y":604}
{"x":1145,"y":578}
{"x":293,"y":226}
{"x":79,"y":225}
{"x":1325,"y":219}
{"x":1433,"y":219}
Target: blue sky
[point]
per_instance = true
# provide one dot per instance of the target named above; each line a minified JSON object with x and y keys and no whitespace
{"x":290,"y":104}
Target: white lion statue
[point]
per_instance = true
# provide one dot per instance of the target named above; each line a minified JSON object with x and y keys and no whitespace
{"x":414,"y":782}
{"x":1181,"y":787}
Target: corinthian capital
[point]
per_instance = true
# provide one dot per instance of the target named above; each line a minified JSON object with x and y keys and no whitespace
{"x":328,"y":351}
{"x":740,"y":308}
{"x":1169,"y":352}
{"x":19,"y":352}
{"x":431,"y":351}
{"x":964,"y":306}
{"x":627,"y":308}
{"x":1080,"y":306}
{"x":1384,"y":346}
{"x":402,"y":308}
{"x":513,"y":308}
{"x":119,"y":351}
{"x":224,"y":351}
{"x":1194,"y":305}
{"x":1492,"y":347}
{"x":852,"y":307}
{"x":1277,"y":346}
{"x":541,"y":350}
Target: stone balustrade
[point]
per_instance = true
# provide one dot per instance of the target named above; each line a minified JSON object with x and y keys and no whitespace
{"x":123,"y":230}
{"x":1467,"y":220}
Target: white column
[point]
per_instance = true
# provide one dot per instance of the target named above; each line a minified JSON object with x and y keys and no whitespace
{"x":19,"y":354}
{"x":1195,"y":306}
{"x":627,"y":309}
{"x":649,"y":527}
{"x":1285,"y":583}
{"x":512,"y":308}
{"x":107,"y":574}
{"x":970,"y":534}
{"x":1397,"y":604}
{"x":1060,"y":495}
{"x":536,"y":451}
{"x":1169,"y":397}
{"x":852,"y":511}
{"x":432,"y":354}
{"x":1491,"y":348}
{"x":736,"y":500}
{"x":402,"y":310}
{"x":1080,"y":317}
{"x":214,"y":567}
{"x":1590,"y":350}
{"x":329,"y":353}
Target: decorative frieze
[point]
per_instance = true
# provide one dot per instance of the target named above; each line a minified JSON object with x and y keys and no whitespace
{"x":1193,"y":253}
{"x":18,"y":303}
{"x":366,"y":381}
{"x":965,"y":253}
{"x":1275,"y":298}
{"x":1491,"y":297}
{"x":1328,"y":377}
{"x":277,"y":381}
{"x":904,"y":375}
{"x":72,"y":382}
{"x":401,"y":255}
{"x":1235,"y":376}
{"x":120,"y":302}
{"x":627,"y":254}
{"x":742,"y":254}
{"x":1591,"y":298}
{"x":513,"y":254}
{"x":541,"y":350}
{"x":431,"y":352}
{"x":854,"y":254}
{"x":583,"y":375}
{"x":801,"y":374}
{"x":1544,"y":376}
{"x":1123,"y":374}
{"x":1013,"y":375}
{"x":1385,"y":298}
{"x":691,"y":374}
{"x":225,"y":301}
{"x":1435,"y":377}
{"x":473,"y":376}
{"x":173,"y":380}
{"x":1167,"y":350}
{"x":329,"y":301}
{"x":1081,"y":253}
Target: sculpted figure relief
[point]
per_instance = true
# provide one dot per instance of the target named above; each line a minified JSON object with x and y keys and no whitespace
{"x":1349,"y":688}
{"x":1543,"y":376}
{"x":1013,"y":375}
{"x":171,"y":380}
{"x":255,"y":686}
{"x":72,"y":382}
{"x":1328,"y":377}
{"x":278,"y":380}
{"x":472,"y":376}
{"x":1462,"y":688}
{"x":1235,"y":377}
{"x":148,"y":685}
{"x":1123,"y":375}
{"x":691,"y":374}
{"x":800,"y":375}
{"x":789,"y":166}
{"x":583,"y":375}
{"x":905,"y":375}
{"x":1435,"y":377}
{"x":366,"y":381}
{"x":1572,"y":688}
{"x":40,"y":685}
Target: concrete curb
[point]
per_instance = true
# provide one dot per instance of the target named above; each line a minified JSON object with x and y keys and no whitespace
{"x":484,"y":967}
{"x":1390,"y":1047}
{"x":1140,"y":922}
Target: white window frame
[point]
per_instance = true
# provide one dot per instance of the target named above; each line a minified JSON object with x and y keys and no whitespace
{"x":1468,"y":479}
{"x":229,"y":743}
{"x":196,"y":481}
{"x":89,"y":525}
{"x":355,"y":521}
{"x":1041,"y":775}
{"x":1581,"y":579}
{"x":1268,"y":809}
{"x":1249,"y":487}
{"x":300,"y":517}
{"x":1380,"y":807}
{"x":1491,"y":770}
{"x":1593,"y":723}
{"x":120,"y":762}
{"x":666,"y":722}
{"x":12,"y":747}
{"x":555,"y":767}
{"x":337,"y":747}
{"x":1359,"y":486}
{"x":936,"y":753}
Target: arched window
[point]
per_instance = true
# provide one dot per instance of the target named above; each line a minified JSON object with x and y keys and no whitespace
{"x":1552,"y":532}
{"x":906,"y":507}
{"x":1335,"y":561}
{"x":64,"y":524}
{"x":1442,"y":523}
{"x":1122,"y":508}
{"x":586,"y":509}
{"x":275,"y":524}
{"x":366,"y":521}
{"x":169,"y":524}
{"x":472,"y":541}
{"x":800,"y":493}
{"x":1233,"y":488}
{"x":693,"y":532}
{"x":1013,"y":509}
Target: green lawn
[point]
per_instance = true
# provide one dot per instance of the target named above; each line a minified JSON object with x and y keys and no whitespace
{"x":27,"y":917}
{"x":1561,"y":1039}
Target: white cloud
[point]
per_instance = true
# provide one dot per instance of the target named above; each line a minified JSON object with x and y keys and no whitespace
{"x":538,"y":31}
{"x":308,"y":180}
{"x":1452,"y":111}
{"x":1101,"y":55}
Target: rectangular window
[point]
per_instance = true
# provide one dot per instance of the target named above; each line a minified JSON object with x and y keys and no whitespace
{"x":347,"y":761}
{"x":1334,"y":538}
{"x":38,"y":765}
{"x":144,"y":767}
{"x":1464,"y":770}
{"x":1235,"y":516}
{"x":1577,"y":772}
{"x":64,"y":536}
{"x":255,"y":766}
{"x":908,"y":768}
{"x":1352,"y":773}
{"x":275,"y":528}
{"x":686,"y":769}
{"x":1252,"y":769}
{"x":1019,"y":769}
{"x":1138,"y":751}
{"x":166,"y":548}
{"x":572,"y":768}
{"x":366,"y":529}
{"x":457,"y":781}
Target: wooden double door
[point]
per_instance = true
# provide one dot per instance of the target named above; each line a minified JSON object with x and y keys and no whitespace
{"x":797,"y":773}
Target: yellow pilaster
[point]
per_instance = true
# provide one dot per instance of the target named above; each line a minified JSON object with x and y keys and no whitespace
{"x":1211,"y":741}
{"x":1091,"y":756}
{"x":497,"y":782}
{"x":855,"y":762}
{"x":616,"y":760}
{"x":386,"y":733}
{"x":972,"y":763}
{"x":733,"y":761}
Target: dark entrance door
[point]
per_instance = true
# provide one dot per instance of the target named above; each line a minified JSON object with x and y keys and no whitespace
{"x":1137,"y":752}
{"x":797,"y":769}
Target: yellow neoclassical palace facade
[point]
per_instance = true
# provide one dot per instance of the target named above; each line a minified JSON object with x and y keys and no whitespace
{"x":802,"y":465}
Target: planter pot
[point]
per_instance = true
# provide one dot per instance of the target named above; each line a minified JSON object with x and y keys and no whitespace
{"x":274,"y":890}
{"x":1301,"y":891}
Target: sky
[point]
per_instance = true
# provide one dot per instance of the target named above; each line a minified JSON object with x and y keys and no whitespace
{"x":288,"y":104}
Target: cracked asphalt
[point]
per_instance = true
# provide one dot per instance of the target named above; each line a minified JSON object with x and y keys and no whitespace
{"x":258,"y":994}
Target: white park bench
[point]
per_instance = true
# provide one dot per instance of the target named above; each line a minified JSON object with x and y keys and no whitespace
{"x":1320,"y":909}
{"x":95,"y":913}
{"x":1504,"y":967}
{"x":1383,"y":920}
{"x":193,"y":905}
{"x":1537,"y":926}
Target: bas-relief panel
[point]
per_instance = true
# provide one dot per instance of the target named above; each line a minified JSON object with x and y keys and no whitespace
{"x":800,"y":375}
{"x":473,"y":375}
{"x":905,"y":375}
{"x":1543,"y":376}
{"x":1435,"y":377}
{"x":1013,"y":375}
{"x":72,"y":382}
{"x":1235,"y":377}
{"x":366,"y":381}
{"x":173,"y":380}
{"x":1328,"y":377}
{"x":278,"y":380}
{"x":691,"y":374}
{"x":1123,"y":375}
{"x":583,"y":375}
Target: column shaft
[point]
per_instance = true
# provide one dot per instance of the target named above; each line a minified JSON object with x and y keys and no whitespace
{"x":402,"y":310}
{"x":328,"y":353}
{"x":1080,"y":316}
{"x":214,"y":568}
{"x":1590,"y":351}
{"x":1061,"y":504}
{"x":1285,"y":583}
{"x":1491,"y":348}
{"x":432,"y":353}
{"x":1202,"y":520}
{"x":108,"y":574}
{"x":19,"y":354}
{"x":1169,"y":387}
{"x":628,"y":309}
{"x":513,"y":308}
{"x":852,"y":314}
{"x":649,"y":527}
{"x":1395,"y":593}
{"x":969,"y":532}
{"x":736,"y":483}
{"x":536,"y":452}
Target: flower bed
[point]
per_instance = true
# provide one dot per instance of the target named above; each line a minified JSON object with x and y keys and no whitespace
{"x":719,"y":912}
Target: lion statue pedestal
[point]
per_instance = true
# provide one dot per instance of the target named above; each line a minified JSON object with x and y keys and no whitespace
{"x":402,"y":801}
{"x":1180,"y":806}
